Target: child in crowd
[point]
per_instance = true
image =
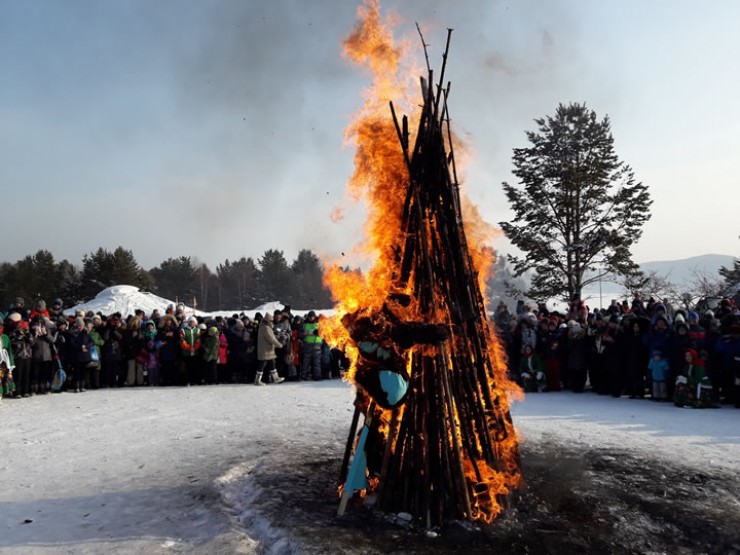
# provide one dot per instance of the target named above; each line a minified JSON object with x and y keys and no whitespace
{"x":659,"y":370}
{"x":693,"y":387}
{"x":532,"y":371}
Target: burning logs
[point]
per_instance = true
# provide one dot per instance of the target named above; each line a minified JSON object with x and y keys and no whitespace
{"x":438,"y":440}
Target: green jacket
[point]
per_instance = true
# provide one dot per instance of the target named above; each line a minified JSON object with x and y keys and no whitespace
{"x":308,"y":333}
{"x":210,"y":348}
{"x":5,"y":343}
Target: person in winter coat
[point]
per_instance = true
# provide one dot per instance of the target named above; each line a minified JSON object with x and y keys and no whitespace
{"x":40,"y":311}
{"x":281,"y":328}
{"x":553,"y":358}
{"x":727,"y":349}
{"x":637,"y":358}
{"x":169,"y":350}
{"x":55,"y":312}
{"x":660,"y":373}
{"x":190,"y":343}
{"x":266,"y":345}
{"x":94,"y":328}
{"x":82,"y":344}
{"x":223,"y":356}
{"x":19,"y":307}
{"x":693,"y":387}
{"x":20,"y":343}
{"x":150,"y":354}
{"x":111,"y":367}
{"x":133,"y":343}
{"x":576,"y":357}
{"x":41,"y":357}
{"x":210,"y":355}
{"x":240,"y":341}
{"x":532,"y":375}
{"x":7,"y":364}
{"x":613,"y":357}
{"x":311,"y":363}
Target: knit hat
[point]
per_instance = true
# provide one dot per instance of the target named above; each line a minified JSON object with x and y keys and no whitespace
{"x":213,"y":330}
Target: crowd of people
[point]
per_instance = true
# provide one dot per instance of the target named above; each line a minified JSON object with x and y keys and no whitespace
{"x":639,"y":349}
{"x":44,"y":351}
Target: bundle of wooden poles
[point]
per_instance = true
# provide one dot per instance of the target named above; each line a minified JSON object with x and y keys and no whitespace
{"x":441,"y":444}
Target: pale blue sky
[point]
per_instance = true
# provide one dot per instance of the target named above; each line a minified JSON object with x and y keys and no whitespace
{"x":214,"y":128}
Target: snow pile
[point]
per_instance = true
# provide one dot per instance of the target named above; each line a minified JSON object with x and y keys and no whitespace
{"x":125,"y":299}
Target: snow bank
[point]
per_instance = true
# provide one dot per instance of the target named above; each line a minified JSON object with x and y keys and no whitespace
{"x":126,"y":299}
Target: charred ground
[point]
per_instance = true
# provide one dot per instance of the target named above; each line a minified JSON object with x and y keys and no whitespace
{"x":576,"y":500}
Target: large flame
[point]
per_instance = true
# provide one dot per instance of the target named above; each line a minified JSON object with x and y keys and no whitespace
{"x":381,"y":179}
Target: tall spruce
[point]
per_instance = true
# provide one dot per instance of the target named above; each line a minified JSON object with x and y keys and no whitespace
{"x":577,"y":208}
{"x":177,"y":279}
{"x":311,"y":290}
{"x":277,"y":280}
{"x":102,"y":268}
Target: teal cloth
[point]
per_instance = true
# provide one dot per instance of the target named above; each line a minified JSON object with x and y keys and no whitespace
{"x":394,"y":385}
{"x":357,"y":476}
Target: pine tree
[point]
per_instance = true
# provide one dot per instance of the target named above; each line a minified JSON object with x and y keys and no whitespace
{"x":577,"y":207}
{"x":731,"y":276}
{"x":176,"y":279}
{"x":278,"y":281}
{"x":103,"y":268}
{"x":310,"y":276}
{"x":239,"y":285}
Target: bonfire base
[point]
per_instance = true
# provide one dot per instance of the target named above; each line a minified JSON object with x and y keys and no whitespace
{"x":575,"y":501}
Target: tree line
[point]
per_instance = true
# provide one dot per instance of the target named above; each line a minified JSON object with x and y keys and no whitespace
{"x":240,"y":284}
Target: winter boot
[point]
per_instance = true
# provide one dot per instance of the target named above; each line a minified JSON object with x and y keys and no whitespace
{"x":274,"y":378}
{"x":258,"y":379}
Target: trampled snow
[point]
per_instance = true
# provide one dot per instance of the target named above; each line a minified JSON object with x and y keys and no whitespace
{"x":168,"y":470}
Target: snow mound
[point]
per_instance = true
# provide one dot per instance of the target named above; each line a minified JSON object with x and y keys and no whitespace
{"x":125,"y":299}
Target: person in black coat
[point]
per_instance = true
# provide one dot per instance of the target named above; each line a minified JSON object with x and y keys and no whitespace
{"x":81,"y":345}
{"x":613,"y":357}
{"x":637,"y":358}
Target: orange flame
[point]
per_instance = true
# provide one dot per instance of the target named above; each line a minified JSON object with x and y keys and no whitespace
{"x":381,"y":179}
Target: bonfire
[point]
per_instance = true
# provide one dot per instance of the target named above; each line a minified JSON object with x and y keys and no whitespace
{"x":437,"y":441}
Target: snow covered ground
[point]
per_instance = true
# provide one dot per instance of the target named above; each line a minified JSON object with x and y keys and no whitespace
{"x":174,"y":470}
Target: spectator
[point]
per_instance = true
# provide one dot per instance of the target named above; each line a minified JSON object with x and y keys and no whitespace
{"x":311,"y":364}
{"x":20,"y":343}
{"x":190,"y":341}
{"x":659,"y":372}
{"x":693,"y":387}
{"x":266,"y":345}
{"x":532,"y":371}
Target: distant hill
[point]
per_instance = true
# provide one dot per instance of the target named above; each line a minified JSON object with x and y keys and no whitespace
{"x":679,"y":272}
{"x":682,"y":271}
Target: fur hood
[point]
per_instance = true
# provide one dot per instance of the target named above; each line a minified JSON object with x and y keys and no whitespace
{"x":167,"y":318}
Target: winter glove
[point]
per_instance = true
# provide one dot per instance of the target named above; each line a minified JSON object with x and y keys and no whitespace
{"x":526,"y":375}
{"x":682,"y":380}
{"x":540,"y":376}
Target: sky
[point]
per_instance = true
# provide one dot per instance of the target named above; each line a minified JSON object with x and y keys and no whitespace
{"x":214,"y":128}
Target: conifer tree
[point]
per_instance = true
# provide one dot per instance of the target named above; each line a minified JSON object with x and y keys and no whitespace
{"x":577,"y":208}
